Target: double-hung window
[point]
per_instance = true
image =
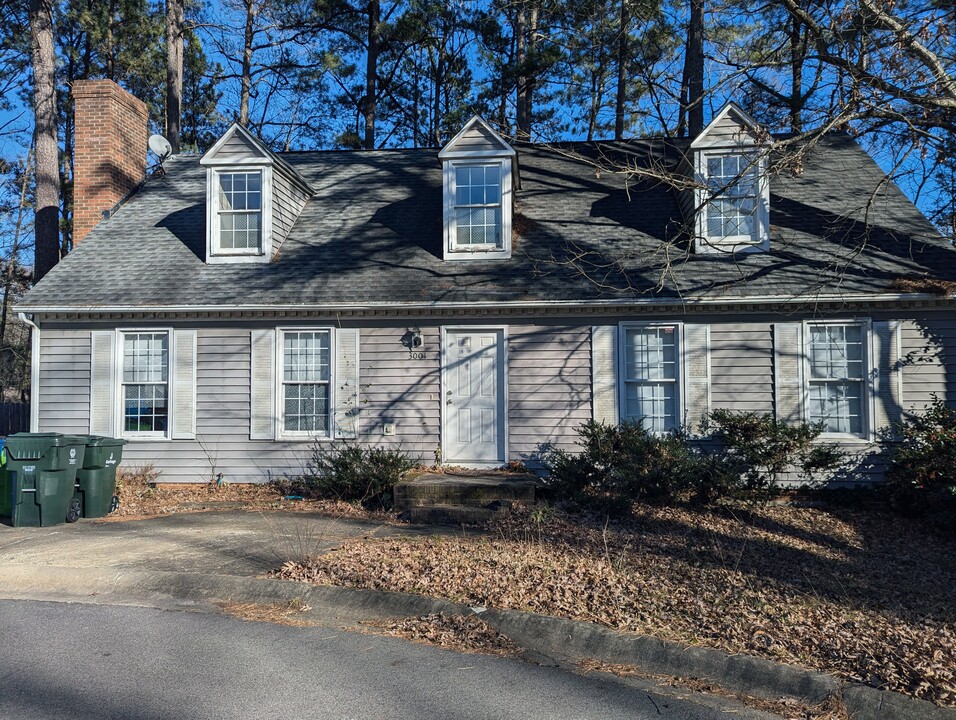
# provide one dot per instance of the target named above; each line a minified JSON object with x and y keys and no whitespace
{"x":734,"y":184}
{"x":240,"y":212}
{"x":837,"y":377}
{"x":477,"y":206}
{"x":145,"y":386}
{"x":651,"y":372}
{"x":306,"y":382}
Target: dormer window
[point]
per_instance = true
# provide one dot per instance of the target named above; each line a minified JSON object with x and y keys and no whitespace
{"x":477,"y":206}
{"x":732,"y":201}
{"x":243,"y":179}
{"x":240,"y":212}
{"x":479,"y":170}
{"x":734,"y":184}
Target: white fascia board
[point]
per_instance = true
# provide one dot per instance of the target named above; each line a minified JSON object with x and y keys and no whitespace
{"x":466,"y":154}
{"x":491,"y":305}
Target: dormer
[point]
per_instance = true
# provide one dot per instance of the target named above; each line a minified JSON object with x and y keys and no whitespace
{"x":479,"y":172}
{"x":253,"y":197}
{"x":732,"y":198}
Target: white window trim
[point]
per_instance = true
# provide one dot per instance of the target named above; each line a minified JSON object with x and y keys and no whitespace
{"x":680,"y":373}
{"x":760,"y":240}
{"x":452,"y":251}
{"x":214,"y":254}
{"x":120,"y":401}
{"x":280,"y":432}
{"x":869,"y":396}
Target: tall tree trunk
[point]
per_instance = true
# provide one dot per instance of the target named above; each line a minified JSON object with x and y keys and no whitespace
{"x":371,"y":72}
{"x":47,"y":209}
{"x":595,"y":104}
{"x":530,"y":76}
{"x":695,"y":87}
{"x":110,"y":45}
{"x":246,"y":80}
{"x":174,"y":71}
{"x":502,"y":107}
{"x":692,"y":86}
{"x":797,"y":56}
{"x":417,"y":135}
{"x":522,"y":116}
{"x":439,"y":84}
{"x":622,"y":58}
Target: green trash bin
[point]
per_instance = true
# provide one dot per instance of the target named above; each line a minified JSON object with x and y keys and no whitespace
{"x":41,"y":468}
{"x":6,"y":491}
{"x":96,"y":480}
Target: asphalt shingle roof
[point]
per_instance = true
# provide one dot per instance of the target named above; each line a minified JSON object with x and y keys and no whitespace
{"x":372,"y":235}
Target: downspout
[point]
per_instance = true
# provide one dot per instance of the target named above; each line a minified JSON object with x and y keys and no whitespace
{"x":34,"y":370}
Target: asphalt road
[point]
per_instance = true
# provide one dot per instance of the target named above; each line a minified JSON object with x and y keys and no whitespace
{"x":61,"y":660}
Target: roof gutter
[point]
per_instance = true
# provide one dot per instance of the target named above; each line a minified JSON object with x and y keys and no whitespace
{"x":787,"y":300}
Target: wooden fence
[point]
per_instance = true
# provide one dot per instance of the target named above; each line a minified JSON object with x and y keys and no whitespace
{"x":14,"y":418}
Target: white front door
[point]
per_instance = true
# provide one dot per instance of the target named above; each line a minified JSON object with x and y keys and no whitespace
{"x":474,"y":381}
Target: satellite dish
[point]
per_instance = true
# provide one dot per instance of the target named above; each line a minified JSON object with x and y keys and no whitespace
{"x":160,"y":146}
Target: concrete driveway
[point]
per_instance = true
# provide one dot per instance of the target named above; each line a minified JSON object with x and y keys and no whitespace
{"x":239,"y":543}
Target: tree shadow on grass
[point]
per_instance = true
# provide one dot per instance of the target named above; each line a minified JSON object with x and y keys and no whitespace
{"x":860,"y":560}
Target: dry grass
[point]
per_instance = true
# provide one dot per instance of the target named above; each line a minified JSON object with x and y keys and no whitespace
{"x":463,"y":633}
{"x":866,"y":596}
{"x":274,"y":613}
{"x":830,"y":709}
{"x":141,"y":494}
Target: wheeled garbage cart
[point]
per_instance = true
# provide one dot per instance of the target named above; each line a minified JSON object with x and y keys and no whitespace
{"x":41,"y":471}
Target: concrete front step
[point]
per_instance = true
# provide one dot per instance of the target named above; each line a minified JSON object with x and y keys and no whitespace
{"x":439,"y":489}
{"x":456,"y":514}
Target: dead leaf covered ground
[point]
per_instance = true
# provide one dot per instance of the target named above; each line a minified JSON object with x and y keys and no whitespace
{"x":867,"y":596}
{"x":832,"y":708}
{"x":457,"y":632}
{"x":142,"y":494}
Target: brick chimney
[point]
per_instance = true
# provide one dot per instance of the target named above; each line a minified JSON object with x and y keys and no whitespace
{"x":109,"y":149}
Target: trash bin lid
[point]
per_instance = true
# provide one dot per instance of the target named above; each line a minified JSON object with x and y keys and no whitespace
{"x":73,"y":440}
{"x":33,"y":446}
{"x":104,"y":441}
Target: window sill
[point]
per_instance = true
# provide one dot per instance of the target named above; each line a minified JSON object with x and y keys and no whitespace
{"x":741,"y":244}
{"x":844,"y":439}
{"x":487,"y":252}
{"x":137,"y":438}
{"x":302,"y":437}
{"x":224,"y":259}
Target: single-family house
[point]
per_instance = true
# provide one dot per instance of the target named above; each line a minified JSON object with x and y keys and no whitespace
{"x":475,"y":302}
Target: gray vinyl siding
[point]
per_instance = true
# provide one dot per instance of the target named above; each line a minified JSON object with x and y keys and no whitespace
{"x":741,"y":367}
{"x":477,"y":139}
{"x":928,"y":360}
{"x":237,"y":148}
{"x":395,"y":387}
{"x":549,"y":387}
{"x":725,"y":132}
{"x":687,"y":199}
{"x":549,"y":390}
{"x":288,"y":199}
{"x":64,"y":382}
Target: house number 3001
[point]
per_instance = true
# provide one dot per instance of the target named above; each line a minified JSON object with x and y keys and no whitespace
{"x":416,"y":355}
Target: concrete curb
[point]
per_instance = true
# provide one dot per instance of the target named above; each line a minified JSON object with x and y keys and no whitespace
{"x":546,"y":640}
{"x":571,"y":641}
